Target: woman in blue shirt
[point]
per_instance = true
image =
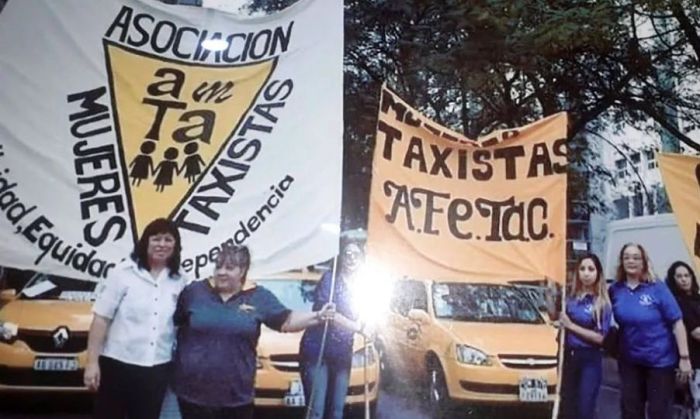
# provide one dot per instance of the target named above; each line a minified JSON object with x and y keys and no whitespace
{"x":332,"y":376}
{"x":587,"y":320}
{"x":219,"y":323}
{"x":683,"y":284}
{"x":652,"y":337}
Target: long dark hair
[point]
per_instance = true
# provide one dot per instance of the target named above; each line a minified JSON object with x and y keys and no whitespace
{"x":158,"y":226}
{"x":671,"y":281}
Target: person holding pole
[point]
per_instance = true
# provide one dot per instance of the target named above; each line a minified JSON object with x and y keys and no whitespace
{"x":219,"y":322}
{"x":326,"y":350}
{"x":586,"y":319}
{"x":652,"y":338}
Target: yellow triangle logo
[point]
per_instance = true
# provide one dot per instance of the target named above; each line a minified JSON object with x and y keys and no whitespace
{"x":173,"y":119}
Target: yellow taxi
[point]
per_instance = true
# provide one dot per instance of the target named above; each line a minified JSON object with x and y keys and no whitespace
{"x":50,"y":317}
{"x":278,"y":382}
{"x":470,"y":343}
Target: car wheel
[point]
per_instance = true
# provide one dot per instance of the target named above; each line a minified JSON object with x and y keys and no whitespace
{"x":438,"y":396}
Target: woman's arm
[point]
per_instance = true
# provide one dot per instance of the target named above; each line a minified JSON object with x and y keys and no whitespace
{"x":587,"y":334}
{"x":682,"y":342}
{"x":96,"y":340}
{"x":695,"y":333}
{"x":299,"y":320}
{"x":354,"y":326}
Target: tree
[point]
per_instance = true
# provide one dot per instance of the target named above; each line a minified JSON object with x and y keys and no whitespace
{"x":479,"y":66}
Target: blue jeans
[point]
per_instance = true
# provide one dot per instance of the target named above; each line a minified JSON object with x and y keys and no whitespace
{"x":581,"y":378}
{"x":331,"y":388}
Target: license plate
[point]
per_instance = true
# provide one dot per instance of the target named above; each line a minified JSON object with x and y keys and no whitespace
{"x":56,"y":364}
{"x":295,"y":395}
{"x":533,"y":390}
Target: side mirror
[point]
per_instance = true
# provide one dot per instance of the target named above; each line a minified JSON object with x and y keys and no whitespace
{"x":419,"y":316}
{"x":8,"y":294}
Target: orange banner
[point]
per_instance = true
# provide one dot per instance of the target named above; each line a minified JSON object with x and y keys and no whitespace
{"x":445,"y":206}
{"x":681,"y":175}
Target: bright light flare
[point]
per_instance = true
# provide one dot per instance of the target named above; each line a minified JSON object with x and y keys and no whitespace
{"x":214,"y":44}
{"x":371,"y":288}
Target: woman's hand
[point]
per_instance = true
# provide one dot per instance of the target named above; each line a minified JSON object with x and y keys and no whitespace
{"x":685,"y":370}
{"x":565,"y":321}
{"x":91,"y":378}
{"x":550,"y":296}
{"x":327,"y":312}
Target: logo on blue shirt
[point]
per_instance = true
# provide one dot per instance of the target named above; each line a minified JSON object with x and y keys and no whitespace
{"x":646,"y":300}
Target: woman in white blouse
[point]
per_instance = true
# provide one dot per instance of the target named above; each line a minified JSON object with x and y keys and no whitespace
{"x":132,"y":333}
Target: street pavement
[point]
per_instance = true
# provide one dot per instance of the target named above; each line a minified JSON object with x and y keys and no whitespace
{"x":404,"y":402}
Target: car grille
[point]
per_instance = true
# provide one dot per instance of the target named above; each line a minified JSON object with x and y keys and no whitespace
{"x":42,"y":341}
{"x":497,"y":388}
{"x":30,"y":378}
{"x":528,"y":362}
{"x":285,"y":362}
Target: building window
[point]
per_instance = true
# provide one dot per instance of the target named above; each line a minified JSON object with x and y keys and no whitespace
{"x":622,"y":207}
{"x":636,"y":159}
{"x":621,"y":168}
{"x":662,"y":203}
{"x":651,"y":159}
{"x":638,"y":204}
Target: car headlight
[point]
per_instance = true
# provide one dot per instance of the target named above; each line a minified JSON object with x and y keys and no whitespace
{"x":8,"y":332}
{"x":468,"y":355}
{"x":358,"y":358}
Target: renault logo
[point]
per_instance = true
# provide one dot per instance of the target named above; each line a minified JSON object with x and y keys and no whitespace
{"x":60,"y":337}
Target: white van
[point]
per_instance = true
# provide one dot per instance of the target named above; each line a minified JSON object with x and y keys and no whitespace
{"x":659,"y":234}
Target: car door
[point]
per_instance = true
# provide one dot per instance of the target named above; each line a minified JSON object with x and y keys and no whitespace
{"x":413,"y":334}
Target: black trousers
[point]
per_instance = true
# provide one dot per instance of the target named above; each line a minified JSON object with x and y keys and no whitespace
{"x":646,"y":387}
{"x":130,"y":391}
{"x":195,"y":411}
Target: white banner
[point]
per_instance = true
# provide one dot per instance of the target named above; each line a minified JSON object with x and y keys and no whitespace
{"x":116,"y":112}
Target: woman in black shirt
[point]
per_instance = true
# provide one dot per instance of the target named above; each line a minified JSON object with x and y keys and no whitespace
{"x":683,"y":284}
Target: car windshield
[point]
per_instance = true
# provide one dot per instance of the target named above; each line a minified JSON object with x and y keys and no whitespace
{"x":483,"y":303}
{"x":536,"y":295}
{"x":296,"y":294}
{"x":41,"y":286}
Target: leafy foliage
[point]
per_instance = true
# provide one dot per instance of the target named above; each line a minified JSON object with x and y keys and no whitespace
{"x":476,"y":66}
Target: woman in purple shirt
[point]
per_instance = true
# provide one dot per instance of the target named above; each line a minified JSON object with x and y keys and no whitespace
{"x":652,"y":337}
{"x":586,"y":320}
{"x":326,"y":375}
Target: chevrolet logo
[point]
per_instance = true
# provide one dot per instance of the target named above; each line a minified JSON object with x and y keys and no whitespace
{"x":60,"y":337}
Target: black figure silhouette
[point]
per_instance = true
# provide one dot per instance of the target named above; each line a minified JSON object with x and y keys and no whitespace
{"x":166,"y":170}
{"x":193,"y":162}
{"x":142,"y":165}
